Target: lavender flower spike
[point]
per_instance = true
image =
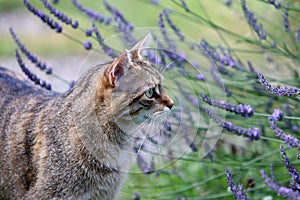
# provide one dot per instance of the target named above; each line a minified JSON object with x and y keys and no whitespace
{"x":283,"y":91}
{"x":172,"y":25}
{"x":30,"y":75}
{"x":32,"y":57}
{"x":286,"y":22}
{"x":124,"y":25}
{"x":144,"y":166}
{"x":92,"y":14}
{"x":171,"y":44}
{"x":292,"y":171}
{"x":237,"y":191}
{"x":223,"y":58}
{"x":252,"y":21}
{"x":107,"y":50}
{"x":281,"y":191}
{"x":291,"y":141}
{"x":59,"y":15}
{"x":276,"y":5}
{"x":243,"y":110}
{"x":100,"y":39}
{"x":45,"y":18}
{"x":184,"y":5}
{"x":251,"y":133}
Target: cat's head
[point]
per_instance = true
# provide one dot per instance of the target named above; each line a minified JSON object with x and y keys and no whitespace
{"x":137,"y":92}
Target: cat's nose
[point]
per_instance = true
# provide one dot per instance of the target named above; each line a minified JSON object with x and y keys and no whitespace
{"x":168,"y":102}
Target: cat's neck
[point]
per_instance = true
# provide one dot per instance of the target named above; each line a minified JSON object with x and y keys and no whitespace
{"x":94,"y":119}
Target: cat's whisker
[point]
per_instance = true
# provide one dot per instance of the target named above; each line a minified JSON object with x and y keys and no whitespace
{"x":141,"y":145}
{"x":140,"y":126}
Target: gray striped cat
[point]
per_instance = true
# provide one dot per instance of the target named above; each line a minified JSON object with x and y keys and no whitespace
{"x":75,"y":145}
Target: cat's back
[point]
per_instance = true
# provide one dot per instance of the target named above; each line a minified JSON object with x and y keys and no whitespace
{"x":21,"y":102}
{"x":18,"y":95}
{"x":14,"y":84}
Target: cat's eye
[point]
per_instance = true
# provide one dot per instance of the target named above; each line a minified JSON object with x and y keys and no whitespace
{"x":150,"y":93}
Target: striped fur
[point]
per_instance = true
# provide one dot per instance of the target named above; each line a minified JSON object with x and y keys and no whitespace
{"x":74,"y":145}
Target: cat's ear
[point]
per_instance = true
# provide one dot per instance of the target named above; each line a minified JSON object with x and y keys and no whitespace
{"x":136,"y":50}
{"x":119,"y":67}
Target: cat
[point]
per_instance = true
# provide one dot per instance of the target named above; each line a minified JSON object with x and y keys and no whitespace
{"x":75,"y":145}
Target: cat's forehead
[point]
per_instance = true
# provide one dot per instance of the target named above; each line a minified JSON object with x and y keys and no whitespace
{"x":149,"y":72}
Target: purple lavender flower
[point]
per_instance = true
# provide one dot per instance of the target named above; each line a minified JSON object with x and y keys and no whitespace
{"x":252,"y":21}
{"x":45,"y":18}
{"x":200,"y":77}
{"x":286,"y":22}
{"x":276,"y":5}
{"x":283,"y":91}
{"x":295,"y":178}
{"x":208,"y":50}
{"x":151,"y":56}
{"x":223,"y":57}
{"x":144,"y":166}
{"x":109,"y":51}
{"x":297,"y":36}
{"x":87,"y":45}
{"x":189,"y":142}
{"x":288,"y":122}
{"x":136,"y":196}
{"x":184,"y":5}
{"x":171,"y":44}
{"x":219,"y":81}
{"x":30,"y":75}
{"x":172,"y":25}
{"x":251,"y":133}
{"x":55,"y":1}
{"x":123,"y":24}
{"x":162,"y":58}
{"x":100,"y":39}
{"x":237,"y":191}
{"x":91,"y":13}
{"x":291,"y":141}
{"x":182,"y":198}
{"x":241,"y":109}
{"x":59,"y":15}
{"x":209,"y":152}
{"x":294,"y":128}
{"x":228,"y":3}
{"x":32,"y":57}
{"x":89,"y":32}
{"x":277,"y":115}
{"x":156,"y":2}
{"x":281,"y":191}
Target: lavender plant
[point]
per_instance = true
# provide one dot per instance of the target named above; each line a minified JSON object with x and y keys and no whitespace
{"x":237,"y":68}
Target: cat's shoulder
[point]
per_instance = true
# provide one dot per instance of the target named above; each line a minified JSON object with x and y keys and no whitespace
{"x":15,"y":84}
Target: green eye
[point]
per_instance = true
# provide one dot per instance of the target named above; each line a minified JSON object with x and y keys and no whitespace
{"x":150,"y":93}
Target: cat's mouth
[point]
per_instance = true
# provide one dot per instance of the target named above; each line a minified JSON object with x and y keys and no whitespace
{"x":162,"y":113}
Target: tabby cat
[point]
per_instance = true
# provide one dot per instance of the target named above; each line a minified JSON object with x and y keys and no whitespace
{"x":74,"y":145}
